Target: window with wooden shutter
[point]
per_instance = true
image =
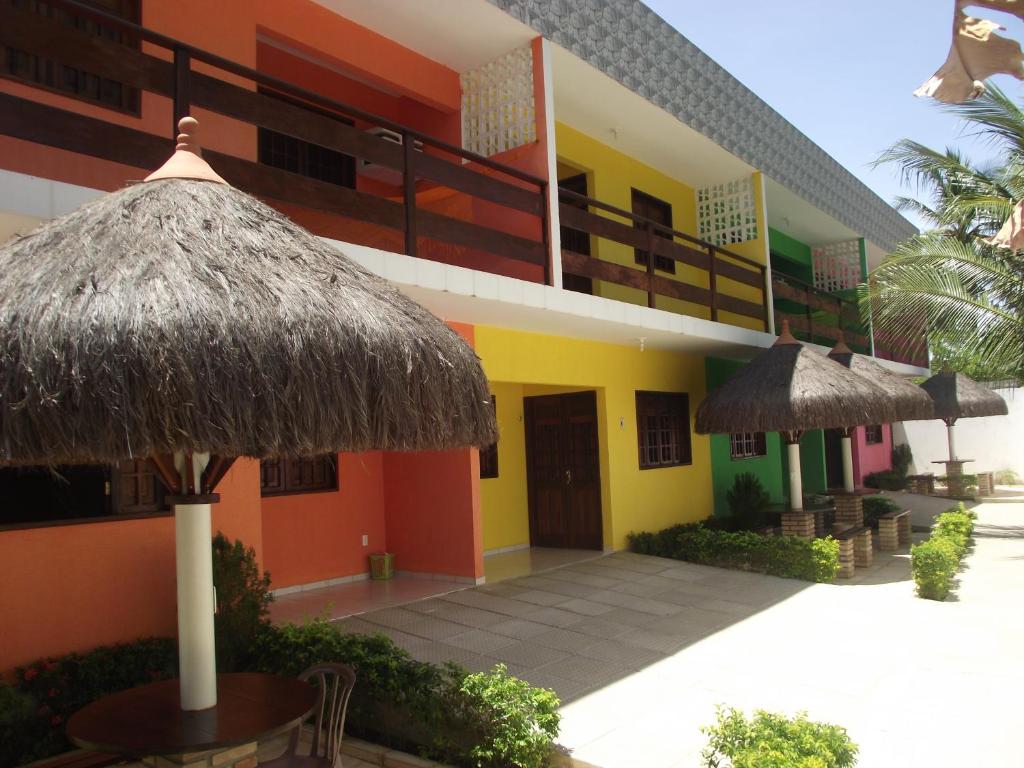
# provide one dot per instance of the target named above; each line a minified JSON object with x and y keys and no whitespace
{"x":72,"y":81}
{"x":660,"y":212}
{"x":873,"y":434}
{"x":663,"y":429}
{"x":747,"y":445}
{"x":299,"y":475}
{"x":489,"y":455}
{"x":136,"y":489}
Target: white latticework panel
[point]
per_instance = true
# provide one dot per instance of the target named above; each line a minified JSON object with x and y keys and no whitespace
{"x":726,"y":213}
{"x":498,"y":112}
{"x":837,"y":266}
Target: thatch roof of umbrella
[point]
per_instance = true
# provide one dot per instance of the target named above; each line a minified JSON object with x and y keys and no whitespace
{"x":185,"y":315}
{"x":909,"y":400}
{"x":790,"y":388}
{"x":958,"y":396}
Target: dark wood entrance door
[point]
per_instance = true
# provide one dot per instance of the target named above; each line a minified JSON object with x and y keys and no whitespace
{"x":563,"y":471}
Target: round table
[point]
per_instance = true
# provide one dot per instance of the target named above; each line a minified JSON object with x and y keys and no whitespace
{"x":148,"y":720}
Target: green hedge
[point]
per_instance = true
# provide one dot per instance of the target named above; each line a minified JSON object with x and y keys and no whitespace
{"x":875,"y":507}
{"x":935,"y":561}
{"x":769,"y":740}
{"x":787,"y":556}
{"x":887,"y":480}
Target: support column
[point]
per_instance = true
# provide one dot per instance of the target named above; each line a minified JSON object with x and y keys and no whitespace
{"x":849,"y":509}
{"x":847,"y":446}
{"x":951,"y":438}
{"x":196,"y":652}
{"x":796,"y":522}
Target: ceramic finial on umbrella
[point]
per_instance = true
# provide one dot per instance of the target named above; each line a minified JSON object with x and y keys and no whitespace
{"x":187,"y":161}
{"x":786,"y":336}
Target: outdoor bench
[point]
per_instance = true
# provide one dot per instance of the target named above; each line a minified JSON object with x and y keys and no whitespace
{"x":986,"y":483}
{"x":79,"y":758}
{"x":923,"y":483}
{"x":894,"y":530}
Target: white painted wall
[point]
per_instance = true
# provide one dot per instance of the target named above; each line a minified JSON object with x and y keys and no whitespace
{"x":994,"y":442}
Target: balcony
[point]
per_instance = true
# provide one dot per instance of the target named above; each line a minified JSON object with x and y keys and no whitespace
{"x":706,"y":280}
{"x":342,"y":172}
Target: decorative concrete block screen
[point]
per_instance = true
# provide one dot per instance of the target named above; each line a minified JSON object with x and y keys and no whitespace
{"x":498,"y":112}
{"x":837,"y":266}
{"x":726,"y":213}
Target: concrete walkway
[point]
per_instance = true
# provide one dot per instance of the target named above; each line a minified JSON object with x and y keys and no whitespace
{"x":641,"y":649}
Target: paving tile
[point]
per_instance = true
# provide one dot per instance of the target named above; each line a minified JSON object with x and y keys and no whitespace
{"x":638,"y":588}
{"x":493,"y":603}
{"x":502,"y":588}
{"x":527,"y":654}
{"x":554,"y":617}
{"x":434,"y":629}
{"x":663,"y":642}
{"x":464,"y":614}
{"x":480,"y":641}
{"x":585,"y":607}
{"x":599,"y":626}
{"x":567,"y":690}
{"x":393,"y":617}
{"x":439,"y":653}
{"x":632,"y":656}
{"x":580,"y":577}
{"x":564,"y":640}
{"x":568,"y":588}
{"x":520,"y":629}
{"x":356,"y":626}
{"x":539,"y":597}
{"x":655,"y":565}
{"x":630,"y":618}
{"x":595,"y":672}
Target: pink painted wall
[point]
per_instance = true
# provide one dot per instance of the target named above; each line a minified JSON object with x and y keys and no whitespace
{"x":871,"y":458}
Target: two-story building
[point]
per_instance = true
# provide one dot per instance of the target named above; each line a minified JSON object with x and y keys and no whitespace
{"x":610,"y":218}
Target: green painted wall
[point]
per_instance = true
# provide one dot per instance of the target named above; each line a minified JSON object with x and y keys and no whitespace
{"x":768,"y":468}
{"x":790,"y":256}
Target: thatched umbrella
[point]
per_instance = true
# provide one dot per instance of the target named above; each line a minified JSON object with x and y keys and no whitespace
{"x":909,"y":401}
{"x":957,"y":396}
{"x":788,"y":388}
{"x":183,"y":320}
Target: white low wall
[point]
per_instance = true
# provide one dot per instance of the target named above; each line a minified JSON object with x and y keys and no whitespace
{"x":994,"y":442}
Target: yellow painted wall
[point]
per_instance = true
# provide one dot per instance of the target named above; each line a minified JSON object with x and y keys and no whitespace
{"x":632,"y":499}
{"x":612,"y":176}
{"x":503,"y":505}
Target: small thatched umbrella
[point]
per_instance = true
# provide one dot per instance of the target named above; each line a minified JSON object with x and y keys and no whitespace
{"x":956,"y":396}
{"x":182,"y":320}
{"x":788,"y":388}
{"x":905,"y":397}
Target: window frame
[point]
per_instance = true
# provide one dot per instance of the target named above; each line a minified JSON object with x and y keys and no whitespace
{"x":285,"y":467}
{"x":756,"y":440}
{"x":661,"y":404}
{"x":488,"y":457}
{"x":129,"y":10}
{"x":869,"y":432}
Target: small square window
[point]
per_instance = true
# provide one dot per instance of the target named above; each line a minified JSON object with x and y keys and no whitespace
{"x":873,"y":434}
{"x":663,"y":429}
{"x":747,"y":445}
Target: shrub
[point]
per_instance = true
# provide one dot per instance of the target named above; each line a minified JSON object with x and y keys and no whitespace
{"x":62,"y":685}
{"x":934,"y":562}
{"x":748,"y":501}
{"x":1006,"y":477}
{"x":875,"y":507}
{"x":786,"y":556}
{"x":24,"y":735}
{"x":888,"y":480}
{"x":444,"y":713}
{"x":902,"y":458}
{"x":769,"y":740}
{"x":500,"y":721}
{"x":243,"y":602}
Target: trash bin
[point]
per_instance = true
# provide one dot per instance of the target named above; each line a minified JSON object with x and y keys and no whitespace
{"x":382,"y":566}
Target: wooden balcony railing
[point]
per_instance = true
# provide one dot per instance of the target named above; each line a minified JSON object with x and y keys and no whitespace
{"x":818,"y":316}
{"x":714,"y":264}
{"x":422,"y":162}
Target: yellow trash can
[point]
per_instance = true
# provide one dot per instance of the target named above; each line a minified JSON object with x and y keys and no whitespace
{"x":382,"y":566}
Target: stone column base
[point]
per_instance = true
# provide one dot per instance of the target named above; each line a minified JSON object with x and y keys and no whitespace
{"x":862,"y":553}
{"x":847,"y":562}
{"x":849,"y":508}
{"x":798,"y":524}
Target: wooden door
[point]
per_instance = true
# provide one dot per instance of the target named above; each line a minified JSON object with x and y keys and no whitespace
{"x":574,"y":239}
{"x":563,"y":471}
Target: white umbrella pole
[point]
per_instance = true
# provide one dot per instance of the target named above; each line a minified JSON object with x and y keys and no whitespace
{"x":196,"y":649}
{"x":796,"y":485}
{"x":847,"y":445}
{"x":951,"y":438}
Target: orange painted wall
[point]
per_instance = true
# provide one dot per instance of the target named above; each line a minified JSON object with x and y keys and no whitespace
{"x":317,"y":536}
{"x":73,"y":587}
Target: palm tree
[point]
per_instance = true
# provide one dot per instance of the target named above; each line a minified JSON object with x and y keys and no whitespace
{"x":968,"y":294}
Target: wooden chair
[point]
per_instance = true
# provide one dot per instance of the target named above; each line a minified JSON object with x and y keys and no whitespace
{"x":336,"y":682}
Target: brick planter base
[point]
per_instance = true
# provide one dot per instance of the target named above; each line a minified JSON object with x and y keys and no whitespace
{"x":847,"y":561}
{"x":849,"y":508}
{"x":800,"y":524}
{"x":862,"y":554}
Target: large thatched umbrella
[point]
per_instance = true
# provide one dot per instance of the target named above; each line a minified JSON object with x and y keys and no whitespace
{"x":957,"y":396}
{"x":788,"y":388}
{"x":183,"y":320}
{"x":905,"y":397}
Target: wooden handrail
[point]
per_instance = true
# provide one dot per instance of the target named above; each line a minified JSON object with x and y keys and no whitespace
{"x":198,"y":54}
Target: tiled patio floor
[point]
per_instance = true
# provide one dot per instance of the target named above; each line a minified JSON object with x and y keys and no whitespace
{"x":355,"y":597}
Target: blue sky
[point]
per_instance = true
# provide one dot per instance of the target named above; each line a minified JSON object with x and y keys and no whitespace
{"x":843,"y":73}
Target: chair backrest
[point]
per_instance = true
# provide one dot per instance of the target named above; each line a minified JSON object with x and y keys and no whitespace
{"x":336,"y":682}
